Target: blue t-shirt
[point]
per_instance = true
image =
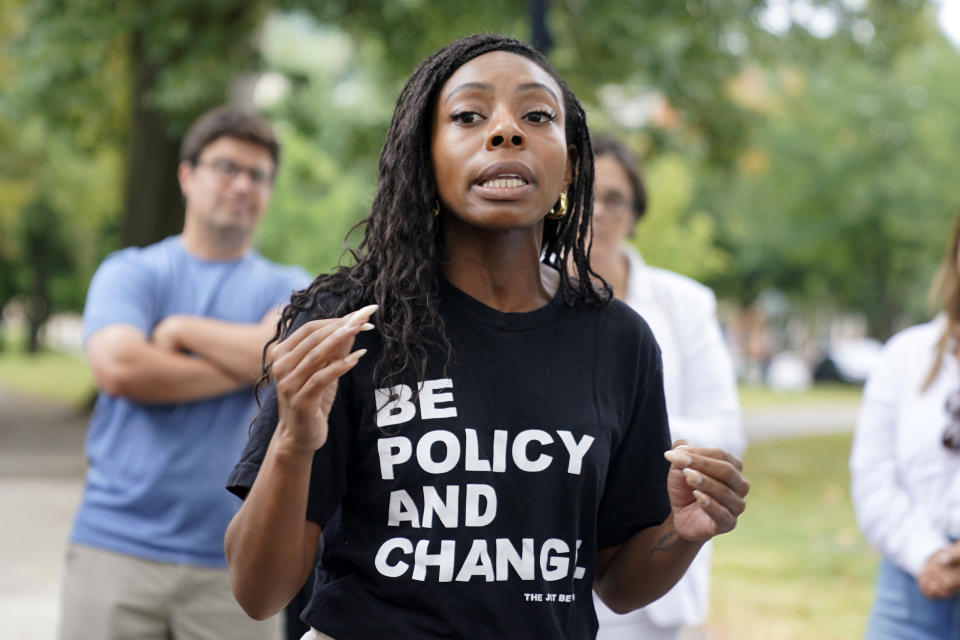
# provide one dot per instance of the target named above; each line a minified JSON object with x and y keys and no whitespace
{"x":154,"y":487}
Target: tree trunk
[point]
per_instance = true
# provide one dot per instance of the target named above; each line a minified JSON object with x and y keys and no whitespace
{"x":41,"y":252}
{"x":539,"y":31}
{"x":37,"y":312}
{"x":153,"y":205}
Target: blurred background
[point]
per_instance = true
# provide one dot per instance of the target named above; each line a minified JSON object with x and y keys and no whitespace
{"x":799,"y":156}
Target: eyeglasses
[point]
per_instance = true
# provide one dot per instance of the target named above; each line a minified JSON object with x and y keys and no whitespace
{"x":951,"y":433}
{"x":228,"y":170}
{"x":613,"y":202}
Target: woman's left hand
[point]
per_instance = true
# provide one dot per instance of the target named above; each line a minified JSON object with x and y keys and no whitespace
{"x":706,"y":489}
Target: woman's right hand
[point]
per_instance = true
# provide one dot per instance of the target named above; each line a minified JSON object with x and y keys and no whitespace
{"x":305,"y":369}
{"x":940,"y":577}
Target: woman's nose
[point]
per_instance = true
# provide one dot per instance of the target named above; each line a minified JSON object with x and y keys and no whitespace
{"x":598,"y":209}
{"x":505,"y":132}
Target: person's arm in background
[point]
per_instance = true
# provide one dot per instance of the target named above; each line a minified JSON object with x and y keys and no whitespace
{"x":709,"y":411}
{"x":120,"y":311}
{"x":236,"y":348}
{"x":887,"y":515}
{"x":125,"y":364}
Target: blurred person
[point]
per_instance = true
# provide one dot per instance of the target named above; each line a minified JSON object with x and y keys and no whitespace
{"x":500,"y":447}
{"x":698,"y":377}
{"x":174,"y":334}
{"x":905,"y":471}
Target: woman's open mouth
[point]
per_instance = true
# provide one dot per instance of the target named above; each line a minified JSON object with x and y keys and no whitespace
{"x":505,"y":181}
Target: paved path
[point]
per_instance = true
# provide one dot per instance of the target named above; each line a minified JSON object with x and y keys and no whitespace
{"x":41,"y":475}
{"x":789,"y":420}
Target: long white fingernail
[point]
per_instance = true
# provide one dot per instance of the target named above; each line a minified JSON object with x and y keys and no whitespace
{"x":356,"y":355}
{"x":678,"y":458}
{"x":701,"y":497}
{"x":693,"y":476}
{"x":366,"y":326}
{"x":366,"y":311}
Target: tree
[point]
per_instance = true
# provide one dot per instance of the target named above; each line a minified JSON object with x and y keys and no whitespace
{"x":847,"y":189}
{"x":56,"y":194}
{"x":111,"y":86}
{"x":135,"y":75}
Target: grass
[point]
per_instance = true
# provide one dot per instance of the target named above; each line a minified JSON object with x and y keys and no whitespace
{"x":760,"y":397}
{"x":49,"y":375}
{"x":796,"y":567}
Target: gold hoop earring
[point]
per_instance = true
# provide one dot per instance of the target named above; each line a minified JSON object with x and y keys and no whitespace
{"x":559,"y":210}
{"x":436,"y":208}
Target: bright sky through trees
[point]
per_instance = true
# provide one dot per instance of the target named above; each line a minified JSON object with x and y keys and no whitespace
{"x":949,"y":20}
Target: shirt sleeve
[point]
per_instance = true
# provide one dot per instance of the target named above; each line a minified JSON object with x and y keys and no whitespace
{"x":328,"y":473}
{"x":635,"y":493}
{"x":888,"y":517}
{"x":709,"y":414}
{"x":121,"y":292}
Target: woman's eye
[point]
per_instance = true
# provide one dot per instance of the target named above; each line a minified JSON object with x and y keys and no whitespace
{"x":540,"y":117}
{"x":466,"y":117}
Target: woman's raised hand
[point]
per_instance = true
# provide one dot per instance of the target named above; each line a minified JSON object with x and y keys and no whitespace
{"x":305,"y":369}
{"x":706,"y":489}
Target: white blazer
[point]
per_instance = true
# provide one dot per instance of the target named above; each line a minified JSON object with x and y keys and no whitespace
{"x":702,"y":406}
{"x":905,"y":483}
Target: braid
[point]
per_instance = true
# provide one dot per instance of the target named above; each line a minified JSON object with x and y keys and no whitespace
{"x":397,"y":263}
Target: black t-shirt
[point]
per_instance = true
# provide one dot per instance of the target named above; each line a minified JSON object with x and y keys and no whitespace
{"x":476,"y":509}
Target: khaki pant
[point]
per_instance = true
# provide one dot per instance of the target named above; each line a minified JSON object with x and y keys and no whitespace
{"x":111,"y":596}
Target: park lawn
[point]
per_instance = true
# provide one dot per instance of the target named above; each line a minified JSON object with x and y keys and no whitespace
{"x":754,"y":396}
{"x":56,"y":376}
{"x":796,"y":567}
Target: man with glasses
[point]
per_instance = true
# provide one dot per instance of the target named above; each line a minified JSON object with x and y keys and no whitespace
{"x":174,"y":334}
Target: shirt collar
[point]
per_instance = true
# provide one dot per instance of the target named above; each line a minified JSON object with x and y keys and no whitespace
{"x":639,"y":286}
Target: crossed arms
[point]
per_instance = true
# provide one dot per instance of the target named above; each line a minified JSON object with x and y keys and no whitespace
{"x":187,"y":358}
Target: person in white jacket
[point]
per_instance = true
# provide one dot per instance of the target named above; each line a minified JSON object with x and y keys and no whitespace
{"x":698,"y":378}
{"x":905,"y":472}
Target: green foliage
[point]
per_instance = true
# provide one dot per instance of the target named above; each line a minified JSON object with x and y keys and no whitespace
{"x":670,"y":235}
{"x":686,"y":50}
{"x":82,"y":69}
{"x":315,"y":203}
{"x":829,"y":178}
{"x":330,"y":119}
{"x":58,"y":191}
{"x":846,"y":193}
{"x":78,"y":53}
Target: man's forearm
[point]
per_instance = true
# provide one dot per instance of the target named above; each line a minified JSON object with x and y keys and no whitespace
{"x":234,"y":347}
{"x":644,"y":568}
{"x":163,"y":377}
{"x":125,"y":364}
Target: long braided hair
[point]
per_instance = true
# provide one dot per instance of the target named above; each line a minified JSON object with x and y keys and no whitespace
{"x":397,"y":265}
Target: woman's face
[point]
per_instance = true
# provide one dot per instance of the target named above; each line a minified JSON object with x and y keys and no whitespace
{"x":612,"y":207}
{"x":498,"y":145}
